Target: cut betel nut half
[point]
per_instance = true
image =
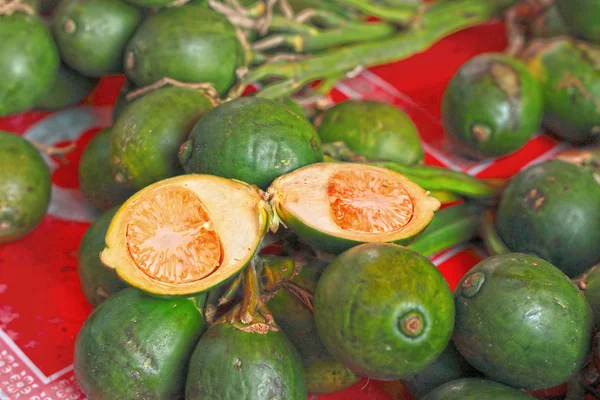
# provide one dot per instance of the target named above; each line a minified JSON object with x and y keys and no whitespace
{"x":335,"y":206}
{"x":187,"y":234}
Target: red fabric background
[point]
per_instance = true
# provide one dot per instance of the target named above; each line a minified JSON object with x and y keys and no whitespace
{"x":41,"y":306}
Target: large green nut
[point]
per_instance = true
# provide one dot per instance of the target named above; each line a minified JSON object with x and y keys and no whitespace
{"x":492,"y":106}
{"x":25,"y":187}
{"x":190,"y":44}
{"x":522,"y":322}
{"x":551,"y":210}
{"x":92,"y":34}
{"x":28,"y":62}
{"x":384,"y":311}
{"x":250,"y":139}
{"x":569,"y":74}
{"x":375,"y":130}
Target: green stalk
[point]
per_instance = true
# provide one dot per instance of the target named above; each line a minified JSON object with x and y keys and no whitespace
{"x":437,"y":178}
{"x":427,"y":176}
{"x":401,"y":13}
{"x":444,"y":196}
{"x":491,"y":240}
{"x":436,"y":23}
{"x":449,"y":227}
{"x":346,"y":34}
{"x":309,"y":39}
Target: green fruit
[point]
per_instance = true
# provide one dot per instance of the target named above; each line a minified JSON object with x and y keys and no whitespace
{"x":251,"y":139}
{"x":189,"y":44}
{"x":97,"y":281}
{"x":450,"y":365}
{"x":581,"y":16}
{"x":551,"y":210}
{"x":492,"y":106}
{"x":335,"y":206}
{"x":96,"y":180}
{"x":181,"y":236}
{"x":230,"y":364}
{"x":137,"y":347}
{"x":521,"y":321}
{"x":69,"y":89}
{"x":476,"y":389}
{"x":24,"y":187}
{"x":569,"y":74}
{"x":375,"y":130}
{"x":28,"y":61}
{"x":323,"y":373}
{"x":92,"y":34}
{"x":384,"y":311}
{"x":148,"y":134}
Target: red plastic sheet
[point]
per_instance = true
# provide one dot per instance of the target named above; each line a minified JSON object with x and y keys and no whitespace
{"x":41,"y":306}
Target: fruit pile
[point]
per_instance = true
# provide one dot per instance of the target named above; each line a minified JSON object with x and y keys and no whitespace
{"x":269,"y":244}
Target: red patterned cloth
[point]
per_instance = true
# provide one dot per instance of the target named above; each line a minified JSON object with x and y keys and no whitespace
{"x":41,"y":305}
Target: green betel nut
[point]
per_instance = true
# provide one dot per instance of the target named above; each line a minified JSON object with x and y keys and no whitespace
{"x":492,"y":106}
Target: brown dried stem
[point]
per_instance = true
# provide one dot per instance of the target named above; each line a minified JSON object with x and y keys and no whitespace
{"x":303,"y":295}
{"x":230,"y":292}
{"x":9,"y":7}
{"x":53,"y":151}
{"x":250,"y":302}
{"x":208,"y":89}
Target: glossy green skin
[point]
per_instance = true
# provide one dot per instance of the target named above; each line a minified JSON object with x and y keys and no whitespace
{"x":148,"y":134}
{"x":360,"y":301}
{"x":527,"y":326}
{"x":137,"y":347}
{"x":492,"y":106}
{"x":189,"y":44}
{"x":28,"y":61}
{"x":92,"y":34}
{"x":581,"y":16}
{"x":230,"y":364}
{"x":24,"y":187}
{"x":97,"y":281}
{"x":449,"y":366}
{"x":324,"y":374}
{"x":592,"y":291}
{"x":293,"y":106}
{"x":251,"y":139}
{"x":375,"y":130}
{"x":569,"y":74}
{"x":69,"y":89}
{"x":551,"y":210}
{"x":96,"y":180}
{"x":476,"y":389}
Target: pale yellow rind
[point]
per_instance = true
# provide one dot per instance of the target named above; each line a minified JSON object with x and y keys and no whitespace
{"x":303,"y":195}
{"x":239,"y":218}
